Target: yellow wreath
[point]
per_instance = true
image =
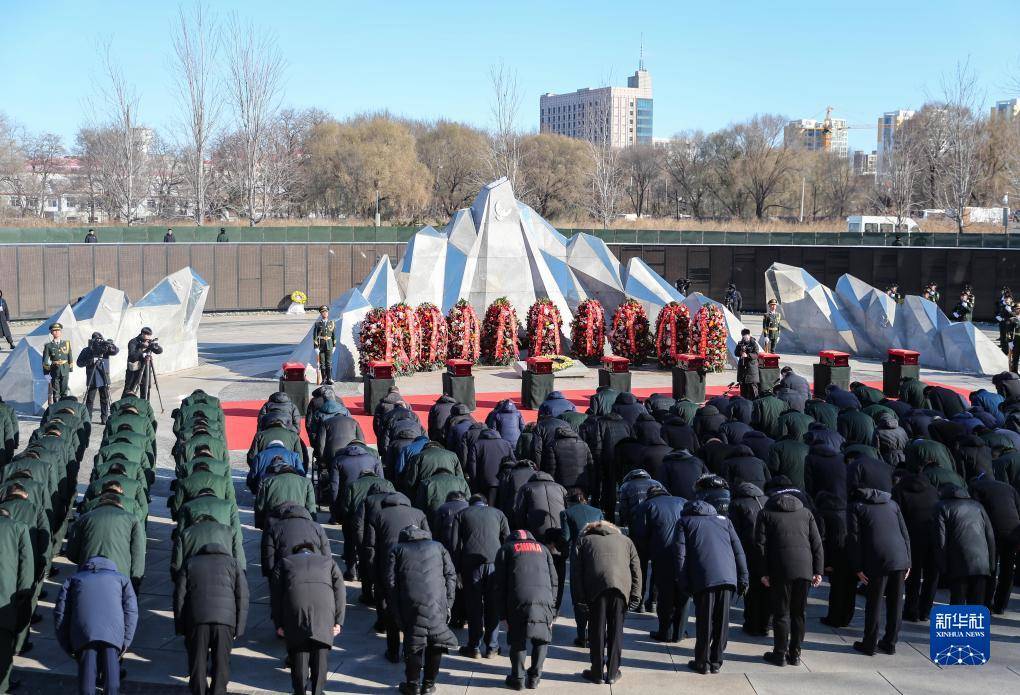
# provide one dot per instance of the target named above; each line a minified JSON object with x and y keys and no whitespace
{"x":298,"y":297}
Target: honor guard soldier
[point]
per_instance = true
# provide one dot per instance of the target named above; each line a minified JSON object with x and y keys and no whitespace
{"x":57,"y":362}
{"x":965,"y":309}
{"x":324,"y":340}
{"x":968,"y":290}
{"x":894,"y":292}
{"x":770,"y":326}
{"x":1012,"y":343}
{"x":931,"y":293}
{"x":1003,"y":313}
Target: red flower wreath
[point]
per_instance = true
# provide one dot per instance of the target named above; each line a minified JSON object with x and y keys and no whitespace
{"x":588,"y":330}
{"x":708,"y":336}
{"x":628,"y":334}
{"x":672,"y":333}
{"x":499,"y":333}
{"x":463,"y":329}
{"x":408,"y":332}
{"x":434,"y":337}
{"x":378,"y":340}
{"x":544,"y":326}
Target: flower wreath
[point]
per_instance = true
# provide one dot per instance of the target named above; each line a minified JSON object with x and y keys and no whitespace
{"x":463,"y":330}
{"x":672,"y":333}
{"x":709,"y":336}
{"x":298,"y":297}
{"x":378,"y":340}
{"x":408,"y":332}
{"x":559,"y":362}
{"x":434,"y":336}
{"x":544,"y":326}
{"x":499,"y":333}
{"x":588,"y":330}
{"x":628,"y":335}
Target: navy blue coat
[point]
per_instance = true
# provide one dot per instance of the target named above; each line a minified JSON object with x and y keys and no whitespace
{"x":507,"y":420}
{"x":485,"y":458}
{"x":96,"y":604}
{"x":633,"y":492}
{"x":707,"y":551}
{"x":265,"y":458}
{"x":825,"y":470}
{"x":841,"y":398}
{"x":348,"y":465}
{"x":653,"y":528}
{"x":554,"y":405}
{"x":628,"y":408}
{"x":679,"y":471}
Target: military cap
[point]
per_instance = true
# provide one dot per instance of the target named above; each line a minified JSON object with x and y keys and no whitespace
{"x":56,"y":327}
{"x":323,"y":308}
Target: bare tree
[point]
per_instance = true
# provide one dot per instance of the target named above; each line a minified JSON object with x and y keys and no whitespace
{"x":195,"y":49}
{"x":896,"y":185}
{"x":86,"y":149}
{"x":837,"y":184}
{"x":44,"y":153}
{"x":687,"y":165}
{"x":765,"y":159}
{"x":169,"y":168}
{"x":254,"y":87}
{"x":505,"y":142}
{"x":605,"y":172}
{"x":642,"y":165}
{"x":961,"y":169}
{"x":12,"y":159}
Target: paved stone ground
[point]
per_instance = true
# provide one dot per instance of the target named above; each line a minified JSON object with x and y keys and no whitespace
{"x":239,"y":354}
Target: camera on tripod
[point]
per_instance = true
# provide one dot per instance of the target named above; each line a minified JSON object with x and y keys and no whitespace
{"x":100,"y":347}
{"x":148,"y":347}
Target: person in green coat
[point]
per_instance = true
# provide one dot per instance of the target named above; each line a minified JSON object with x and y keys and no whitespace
{"x":435,"y":490}
{"x":794,"y":424}
{"x":788,"y":457}
{"x":922,"y":453}
{"x":432,"y":458}
{"x":856,"y":427}
{"x":17,"y":578}
{"x":208,"y":504}
{"x":111,"y":531}
{"x":202,"y":443}
{"x":205,"y":530}
{"x":201,"y":479}
{"x":283,"y":484}
{"x":823,"y":413}
{"x":57,"y":362}
{"x":131,"y":468}
{"x":765,"y":412}
{"x":135,"y":421}
{"x":912,"y":392}
{"x":117,"y":482}
{"x":218,"y":466}
{"x":323,"y":342}
{"x":866,"y":394}
{"x":10,"y":434}
{"x":277,"y":432}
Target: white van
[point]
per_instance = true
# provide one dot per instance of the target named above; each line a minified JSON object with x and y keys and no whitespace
{"x":879,"y":224}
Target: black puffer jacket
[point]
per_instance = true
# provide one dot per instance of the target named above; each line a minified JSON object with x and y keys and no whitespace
{"x":964,"y":537}
{"x":478,"y":533}
{"x":864,"y":472}
{"x":1002,"y":503}
{"x":758,"y":442}
{"x":742,"y":466}
{"x":289,"y":526}
{"x":421,"y":582}
{"x":892,"y":439}
{"x":511,"y":479}
{"x":659,"y":403}
{"x":646,"y":428}
{"x":680,"y":470}
{"x":439,"y":413}
{"x":917,"y":499}
{"x":746,"y":503}
{"x":877,"y":535}
{"x":280,"y":404}
{"x":538,"y":506}
{"x":628,"y":408}
{"x":525,"y":585}
{"x":569,"y":461}
{"x":734,"y":431}
{"x":707,"y":423}
{"x":545,"y":436}
{"x":381,"y":533}
{"x":973,"y":456}
{"x":678,"y":434}
{"x":310,"y":598}
{"x":485,"y":459}
{"x":391,"y":400}
{"x":788,"y":540}
{"x":825,"y":470}
{"x":337,"y":433}
{"x":211,"y":589}
{"x":633,"y":491}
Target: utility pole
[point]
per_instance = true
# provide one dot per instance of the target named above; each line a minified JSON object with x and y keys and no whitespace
{"x":803,"y":186}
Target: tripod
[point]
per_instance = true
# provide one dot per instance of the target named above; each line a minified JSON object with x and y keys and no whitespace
{"x":98,"y":370}
{"x":148,"y":380}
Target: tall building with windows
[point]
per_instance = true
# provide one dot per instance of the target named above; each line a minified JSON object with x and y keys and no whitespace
{"x":864,"y":163}
{"x":1006,"y":110}
{"x":621,"y":114}
{"x":829,"y":135}
{"x":888,"y":124}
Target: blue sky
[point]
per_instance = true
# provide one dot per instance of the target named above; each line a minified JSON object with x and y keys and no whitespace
{"x":711,"y":63}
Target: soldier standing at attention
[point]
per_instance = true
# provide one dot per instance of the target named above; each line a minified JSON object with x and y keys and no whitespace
{"x":56,"y":357}
{"x":5,"y":321}
{"x":931,"y":293}
{"x":964,"y":310}
{"x":1003,"y":313}
{"x":1012,"y":346}
{"x":169,"y":237}
{"x":770,"y":326}
{"x":968,"y":290}
{"x":324,"y":340}
{"x":894,"y":292}
{"x":90,"y":237}
{"x":222,"y":237}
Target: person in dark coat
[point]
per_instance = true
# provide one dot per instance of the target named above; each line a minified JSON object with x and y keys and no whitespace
{"x":537,"y":509}
{"x":484,"y":461}
{"x":793,"y":561}
{"x":917,"y":499}
{"x":1002,"y":503}
{"x":746,"y":503}
{"x":652,"y":530}
{"x":869,"y":473}
{"x":545,"y":436}
{"x":554,"y":405}
{"x":788,"y":457}
{"x":347,"y":465}
{"x":602,"y":436}
{"x":746,"y":351}
{"x":825,"y":470}
{"x":421,"y":579}
{"x":511,"y":479}
{"x":280,"y":404}
{"x":17,"y":582}
{"x":478,"y":532}
{"x":679,"y":434}
{"x":734,"y":431}
{"x":507,"y":420}
{"x":742,"y":466}
{"x":879,"y":547}
{"x":892,"y":439}
{"x":841,"y":398}
{"x":710,"y":566}
{"x":758,"y":442}
{"x":310,"y":605}
{"x":856,"y":427}
{"x":605,"y":578}
{"x":440,"y":413}
{"x":95,"y":359}
{"x":708,"y":422}
{"x":444,"y":530}
{"x":646,"y":427}
{"x":680,"y":471}
{"x":714,"y":490}
{"x":964,"y":546}
{"x":831,"y":512}
{"x":525,"y":589}
{"x":601,"y":402}
{"x":944,"y":400}
{"x":573,"y":520}
{"x":210,"y":609}
{"x":95,"y":618}
{"x":628,"y":407}
{"x":391,"y":400}
{"x":289,"y":526}
{"x":569,"y":461}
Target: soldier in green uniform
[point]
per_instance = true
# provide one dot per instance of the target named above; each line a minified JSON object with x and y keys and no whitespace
{"x":894,"y":292}
{"x":931,"y":293}
{"x":56,"y":357}
{"x":964,"y":310}
{"x":324,"y":340}
{"x":1013,"y":338}
{"x":770,"y":326}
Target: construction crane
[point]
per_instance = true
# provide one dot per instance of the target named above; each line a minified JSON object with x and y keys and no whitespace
{"x":827,"y":129}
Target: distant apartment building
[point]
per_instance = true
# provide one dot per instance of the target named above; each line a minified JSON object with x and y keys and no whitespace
{"x":865,"y":163}
{"x":1006,"y":110}
{"x":829,"y":135}
{"x":888,"y":125}
{"x":621,"y":114}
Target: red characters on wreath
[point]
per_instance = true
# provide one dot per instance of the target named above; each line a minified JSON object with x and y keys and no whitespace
{"x":672,"y":333}
{"x":544,"y":326}
{"x":588,"y":330}
{"x":378,"y":340}
{"x":499,"y":333}
{"x":628,"y":334}
{"x":463,"y":330}
{"x":708,"y":336}
{"x":434,"y":336}
{"x":408,"y":332}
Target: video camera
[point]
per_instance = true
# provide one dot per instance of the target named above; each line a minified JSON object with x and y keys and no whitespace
{"x":100,"y":347}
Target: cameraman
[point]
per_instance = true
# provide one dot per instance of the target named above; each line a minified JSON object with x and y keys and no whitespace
{"x":95,"y":358}
{"x":140,"y":350}
{"x":746,"y":352}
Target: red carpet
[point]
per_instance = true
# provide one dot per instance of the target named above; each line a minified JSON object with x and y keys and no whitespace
{"x":242,"y":416}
